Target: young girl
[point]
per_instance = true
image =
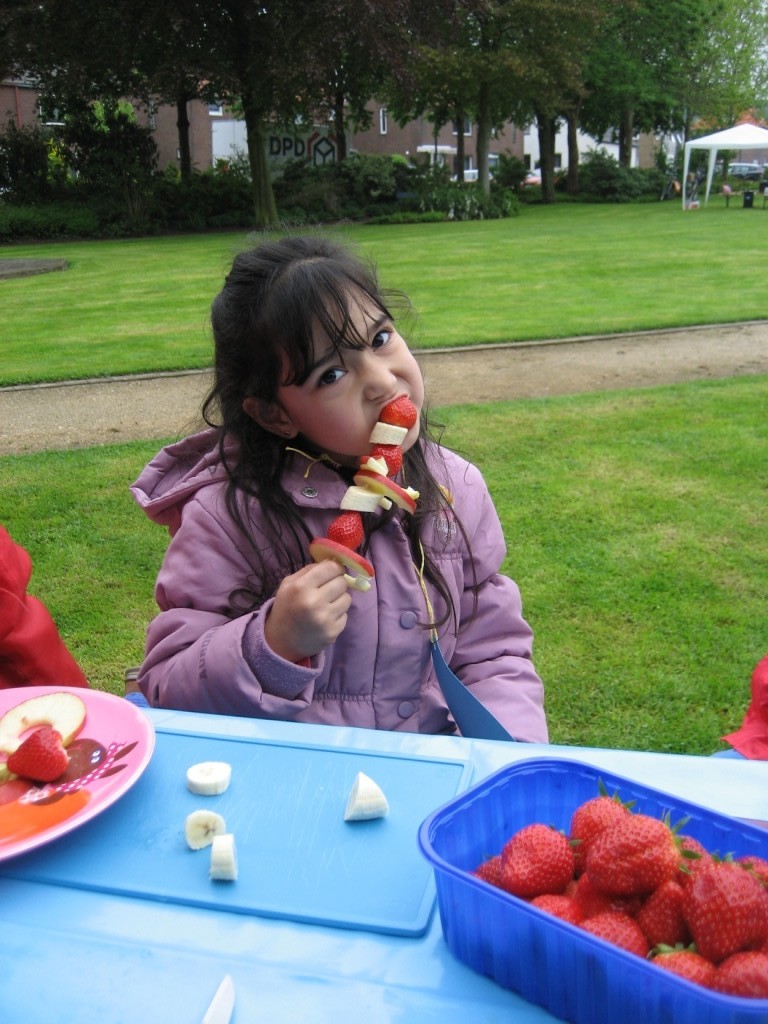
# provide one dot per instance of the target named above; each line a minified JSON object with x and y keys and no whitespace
{"x":307,"y":356}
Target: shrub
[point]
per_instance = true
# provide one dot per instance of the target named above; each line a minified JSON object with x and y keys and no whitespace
{"x":601,"y":177}
{"x":24,"y":161}
{"x":209,"y":199}
{"x":510,"y":171}
{"x":52,"y":220}
{"x":367,"y":179}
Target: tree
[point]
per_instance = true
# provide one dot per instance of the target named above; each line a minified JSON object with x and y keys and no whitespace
{"x":656,"y":64}
{"x":506,"y":60}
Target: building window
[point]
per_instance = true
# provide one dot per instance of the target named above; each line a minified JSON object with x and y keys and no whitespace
{"x":383,"y":121}
{"x":215,"y":110}
{"x":52,"y":117}
{"x":467,"y":127}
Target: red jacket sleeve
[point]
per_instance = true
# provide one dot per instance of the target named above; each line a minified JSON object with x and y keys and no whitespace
{"x":32,"y":652}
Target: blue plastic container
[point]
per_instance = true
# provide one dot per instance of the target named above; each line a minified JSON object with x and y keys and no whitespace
{"x":572,"y":974}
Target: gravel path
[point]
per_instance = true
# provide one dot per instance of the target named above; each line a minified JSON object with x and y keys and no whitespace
{"x":85,"y":413}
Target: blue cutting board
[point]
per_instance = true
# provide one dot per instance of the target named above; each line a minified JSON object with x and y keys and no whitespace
{"x":297,"y":857}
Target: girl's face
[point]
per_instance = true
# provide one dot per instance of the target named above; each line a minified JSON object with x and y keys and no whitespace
{"x":339,"y":403}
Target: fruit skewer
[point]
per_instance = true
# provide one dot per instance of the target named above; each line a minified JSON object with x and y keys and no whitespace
{"x":373,"y":488}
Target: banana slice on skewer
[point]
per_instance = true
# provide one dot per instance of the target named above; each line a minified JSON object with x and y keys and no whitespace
{"x":366,"y":800}
{"x":387,"y":433}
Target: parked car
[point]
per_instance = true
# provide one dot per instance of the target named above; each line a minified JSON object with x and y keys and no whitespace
{"x":747,"y":172}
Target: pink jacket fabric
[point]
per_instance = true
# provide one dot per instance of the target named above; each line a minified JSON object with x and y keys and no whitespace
{"x":32,"y":652}
{"x":378,"y":674}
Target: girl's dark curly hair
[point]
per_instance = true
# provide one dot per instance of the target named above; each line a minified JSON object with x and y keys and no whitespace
{"x":274,"y":299}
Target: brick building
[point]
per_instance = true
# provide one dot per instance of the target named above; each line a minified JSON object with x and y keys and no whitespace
{"x":214,"y":133}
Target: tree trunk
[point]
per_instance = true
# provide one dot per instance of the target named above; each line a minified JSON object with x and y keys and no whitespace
{"x":339,"y":132}
{"x":182,"y":126}
{"x":264,"y":208}
{"x":459,"y":116}
{"x":483,"y":138}
{"x":626,"y":131}
{"x":545,"y":125}
{"x":573,"y":149}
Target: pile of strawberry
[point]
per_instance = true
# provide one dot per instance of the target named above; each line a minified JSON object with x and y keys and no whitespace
{"x":635,"y":881}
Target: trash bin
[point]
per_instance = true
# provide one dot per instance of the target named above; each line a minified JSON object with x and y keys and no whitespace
{"x":749,"y":198}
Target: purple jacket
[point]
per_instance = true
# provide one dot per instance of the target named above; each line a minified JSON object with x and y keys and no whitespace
{"x":378,"y":674}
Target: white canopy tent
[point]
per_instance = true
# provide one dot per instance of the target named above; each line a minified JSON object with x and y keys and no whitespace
{"x":740,"y":136}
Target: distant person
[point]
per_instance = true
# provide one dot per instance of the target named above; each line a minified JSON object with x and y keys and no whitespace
{"x":32,"y":652}
{"x":309,"y":366}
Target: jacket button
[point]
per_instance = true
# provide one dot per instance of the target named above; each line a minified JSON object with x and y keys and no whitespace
{"x":408,"y":620}
{"x":406,"y":708}
{"x":309,"y":492}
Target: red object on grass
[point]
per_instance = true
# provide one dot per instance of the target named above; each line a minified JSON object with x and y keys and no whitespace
{"x":751,"y":738}
{"x":32,"y":652}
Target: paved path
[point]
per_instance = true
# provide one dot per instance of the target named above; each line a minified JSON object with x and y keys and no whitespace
{"x":167,"y":405}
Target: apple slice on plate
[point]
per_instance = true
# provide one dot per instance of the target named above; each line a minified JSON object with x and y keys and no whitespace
{"x":65,"y":712}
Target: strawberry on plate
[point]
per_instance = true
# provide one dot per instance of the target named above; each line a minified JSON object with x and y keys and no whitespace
{"x":41,"y":757}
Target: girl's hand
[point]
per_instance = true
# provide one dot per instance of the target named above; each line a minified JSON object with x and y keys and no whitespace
{"x":309,"y":611}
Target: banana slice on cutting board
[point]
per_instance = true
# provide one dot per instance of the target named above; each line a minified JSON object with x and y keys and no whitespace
{"x":223,"y":858}
{"x":202,"y":827}
{"x":209,"y":778}
{"x":366,"y":800}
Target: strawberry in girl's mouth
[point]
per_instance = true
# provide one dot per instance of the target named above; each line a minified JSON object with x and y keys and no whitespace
{"x":400,"y":412}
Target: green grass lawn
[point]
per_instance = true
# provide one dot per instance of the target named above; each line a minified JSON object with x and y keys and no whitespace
{"x":636,"y":527}
{"x":141,"y":305}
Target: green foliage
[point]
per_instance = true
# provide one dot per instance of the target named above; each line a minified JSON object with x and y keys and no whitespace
{"x":57,"y":220}
{"x":433,"y":191}
{"x":510,"y":171}
{"x":113,"y":155}
{"x":24,"y":161}
{"x":206,"y":200}
{"x":368,"y":179}
{"x":603,"y":179}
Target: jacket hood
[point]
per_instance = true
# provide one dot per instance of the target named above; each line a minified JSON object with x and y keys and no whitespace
{"x":177,"y":473}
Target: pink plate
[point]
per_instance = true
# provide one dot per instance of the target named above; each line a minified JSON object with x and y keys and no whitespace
{"x":107,"y":756}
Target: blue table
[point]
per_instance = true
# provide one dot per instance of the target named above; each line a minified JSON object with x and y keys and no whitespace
{"x":71,"y":954}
